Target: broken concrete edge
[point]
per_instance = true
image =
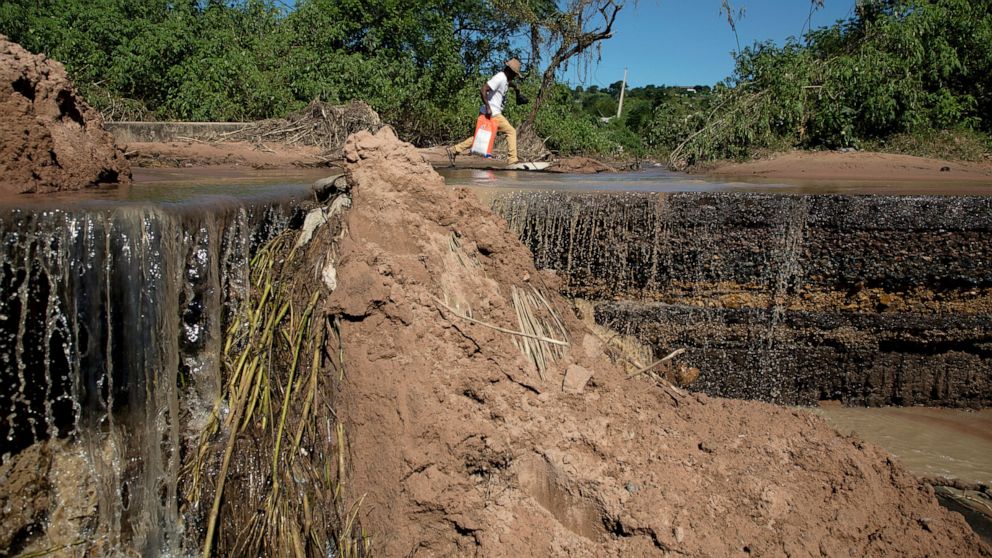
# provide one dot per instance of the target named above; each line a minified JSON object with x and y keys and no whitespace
{"x":324,"y":188}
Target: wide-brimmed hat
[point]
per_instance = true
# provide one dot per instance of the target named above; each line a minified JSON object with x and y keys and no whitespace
{"x":514,"y":65}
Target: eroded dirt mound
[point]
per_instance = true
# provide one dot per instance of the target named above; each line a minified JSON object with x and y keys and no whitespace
{"x":461,"y":448}
{"x":50,"y":139}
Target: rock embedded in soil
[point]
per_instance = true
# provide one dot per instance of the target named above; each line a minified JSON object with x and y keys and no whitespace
{"x":50,"y":139}
{"x":576,"y":378}
{"x":457,"y":447}
{"x":24,"y":494}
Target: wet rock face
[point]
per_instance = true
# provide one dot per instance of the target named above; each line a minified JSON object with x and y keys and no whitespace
{"x":50,"y":139}
{"x":865,"y":299}
{"x":860,"y":358}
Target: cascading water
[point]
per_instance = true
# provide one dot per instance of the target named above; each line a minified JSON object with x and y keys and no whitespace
{"x":111,"y":323}
{"x":788,"y":298}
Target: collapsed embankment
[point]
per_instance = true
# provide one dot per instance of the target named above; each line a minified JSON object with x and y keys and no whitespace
{"x":791,"y":298}
{"x":461,"y":444}
{"x":50,"y":139}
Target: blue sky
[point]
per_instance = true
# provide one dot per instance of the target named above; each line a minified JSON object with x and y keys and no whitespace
{"x":688,"y":42}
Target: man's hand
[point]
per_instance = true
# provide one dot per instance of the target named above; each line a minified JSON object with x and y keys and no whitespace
{"x":487,"y":110}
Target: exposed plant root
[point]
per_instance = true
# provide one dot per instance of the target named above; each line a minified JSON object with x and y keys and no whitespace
{"x":276,"y":490}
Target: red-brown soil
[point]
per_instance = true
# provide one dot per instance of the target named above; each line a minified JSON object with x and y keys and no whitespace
{"x":50,"y":139}
{"x":235,"y":154}
{"x":460,"y":448}
{"x":854,"y":166}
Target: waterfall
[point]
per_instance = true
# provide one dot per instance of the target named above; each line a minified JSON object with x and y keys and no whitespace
{"x":783,"y":297}
{"x":111,"y":323}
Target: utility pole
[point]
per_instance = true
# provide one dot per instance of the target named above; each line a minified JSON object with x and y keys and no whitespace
{"x":622,"y":89}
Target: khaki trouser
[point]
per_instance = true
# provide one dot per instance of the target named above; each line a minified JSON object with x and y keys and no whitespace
{"x":511,"y":139}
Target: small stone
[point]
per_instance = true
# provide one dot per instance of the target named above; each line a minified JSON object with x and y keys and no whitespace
{"x":576,"y":378}
{"x":679,"y":535}
{"x":631,"y":487}
{"x":592,"y":345}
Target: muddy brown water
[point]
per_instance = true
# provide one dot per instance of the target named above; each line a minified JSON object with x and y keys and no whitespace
{"x":664,"y":181}
{"x":951,"y":443}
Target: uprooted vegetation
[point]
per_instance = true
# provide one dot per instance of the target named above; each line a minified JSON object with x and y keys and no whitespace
{"x":318,"y":125}
{"x":265,"y":476}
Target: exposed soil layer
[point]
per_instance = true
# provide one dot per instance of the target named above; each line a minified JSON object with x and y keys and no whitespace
{"x":459,"y":447}
{"x":24,"y":494}
{"x":50,"y":139}
{"x":233,"y":154}
{"x":789,"y":298}
{"x":802,"y":357}
{"x":859,"y":166}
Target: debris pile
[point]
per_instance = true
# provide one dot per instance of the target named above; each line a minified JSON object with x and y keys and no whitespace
{"x":318,"y":125}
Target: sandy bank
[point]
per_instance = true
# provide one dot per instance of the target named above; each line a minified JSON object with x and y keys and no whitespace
{"x":854,"y":166}
{"x":239,"y":154}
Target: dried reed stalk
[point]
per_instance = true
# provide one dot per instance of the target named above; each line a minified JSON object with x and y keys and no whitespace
{"x":319,"y":125}
{"x":267,"y":419}
{"x":539,"y":321}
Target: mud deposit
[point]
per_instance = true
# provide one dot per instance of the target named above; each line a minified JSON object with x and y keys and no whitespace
{"x":461,"y":446}
{"x":50,"y":139}
{"x":788,"y":298}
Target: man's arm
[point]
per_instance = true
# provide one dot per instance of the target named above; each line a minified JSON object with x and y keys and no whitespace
{"x":521,"y":98}
{"x":485,"y":98}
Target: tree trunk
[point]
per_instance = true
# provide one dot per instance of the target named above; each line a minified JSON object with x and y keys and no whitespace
{"x":535,"y":46}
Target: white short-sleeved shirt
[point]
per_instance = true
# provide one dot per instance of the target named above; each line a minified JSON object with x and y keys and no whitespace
{"x":498,"y":86}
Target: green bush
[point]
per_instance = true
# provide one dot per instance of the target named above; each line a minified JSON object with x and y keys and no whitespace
{"x":900,"y":67}
{"x":415,"y":62}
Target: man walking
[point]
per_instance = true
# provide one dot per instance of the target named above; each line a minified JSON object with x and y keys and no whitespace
{"x":493,"y":97}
